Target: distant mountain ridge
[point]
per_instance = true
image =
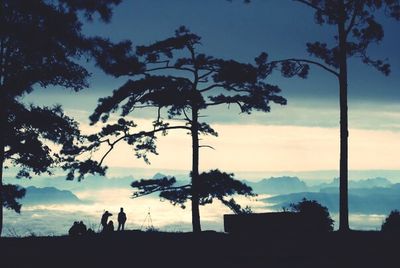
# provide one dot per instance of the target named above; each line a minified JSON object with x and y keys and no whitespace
{"x":378,"y":200}
{"x":49,"y":195}
{"x":272,"y":185}
{"x":285,"y":189}
{"x":278,"y":185}
{"x":287,"y":185}
{"x":89,"y":183}
{"x":368,"y":196}
{"x":365,"y":183}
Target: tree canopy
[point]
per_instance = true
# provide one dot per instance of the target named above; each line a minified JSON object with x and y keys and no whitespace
{"x":173,"y":85}
{"x":41,"y":43}
{"x":177,"y":82}
{"x":213,"y":184}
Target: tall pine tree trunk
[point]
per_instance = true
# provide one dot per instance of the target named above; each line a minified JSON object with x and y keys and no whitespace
{"x":1,"y":185}
{"x":195,"y":172}
{"x":344,"y":134}
{"x":2,"y":125}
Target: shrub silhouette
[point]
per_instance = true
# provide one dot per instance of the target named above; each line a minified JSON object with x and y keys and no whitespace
{"x":315,"y":216}
{"x":392,"y":222}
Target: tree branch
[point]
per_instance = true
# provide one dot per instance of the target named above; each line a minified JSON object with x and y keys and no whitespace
{"x":311,"y":5}
{"x":141,"y":193}
{"x":186,"y":116}
{"x":353,"y":18}
{"x":310,"y":62}
{"x":228,"y":87}
{"x":206,"y":74}
{"x":168,"y":68}
{"x":140,"y":134}
{"x":143,"y":106}
{"x":211,"y":87}
{"x":225,"y":102}
{"x":206,"y":146}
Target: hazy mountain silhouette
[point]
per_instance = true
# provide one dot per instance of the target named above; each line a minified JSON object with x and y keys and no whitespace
{"x":272,"y":185}
{"x":89,"y":183}
{"x":279,"y":185}
{"x":49,"y":195}
{"x":373,"y":195}
{"x":288,"y":185}
{"x":378,"y":200}
{"x":364,"y":183}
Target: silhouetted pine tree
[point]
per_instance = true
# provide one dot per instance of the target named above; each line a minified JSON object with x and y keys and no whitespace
{"x":212,"y":184}
{"x":357,"y":27}
{"x":39,"y":42}
{"x":174,"y":79}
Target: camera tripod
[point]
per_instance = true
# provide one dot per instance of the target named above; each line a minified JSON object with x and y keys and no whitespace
{"x":147,"y":223}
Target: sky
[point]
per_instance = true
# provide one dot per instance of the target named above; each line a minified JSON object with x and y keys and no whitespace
{"x":299,"y":139}
{"x":302,"y":136}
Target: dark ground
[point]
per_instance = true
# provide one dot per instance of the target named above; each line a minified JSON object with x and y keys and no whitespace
{"x":208,"y":249}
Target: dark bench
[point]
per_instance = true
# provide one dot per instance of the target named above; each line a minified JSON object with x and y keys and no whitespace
{"x":273,"y":222}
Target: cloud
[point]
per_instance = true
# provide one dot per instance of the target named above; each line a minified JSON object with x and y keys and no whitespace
{"x":57,"y":219}
{"x":313,"y":113}
{"x":299,"y":112}
{"x":251,"y":147}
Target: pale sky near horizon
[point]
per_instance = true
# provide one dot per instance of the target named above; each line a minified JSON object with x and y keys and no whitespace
{"x":272,"y":148}
{"x":304,"y":135}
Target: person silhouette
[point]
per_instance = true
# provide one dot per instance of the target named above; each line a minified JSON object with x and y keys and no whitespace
{"x":121,"y":220}
{"x":82,"y":228}
{"x":110,"y":227}
{"x":73,"y":230}
{"x":77,"y":229}
{"x":104,"y":219}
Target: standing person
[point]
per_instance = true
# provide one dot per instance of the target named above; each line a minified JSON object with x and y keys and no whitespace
{"x":104,"y":219}
{"x":121,"y":220}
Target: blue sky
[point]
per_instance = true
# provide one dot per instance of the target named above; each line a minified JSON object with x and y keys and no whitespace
{"x":239,"y":31}
{"x":305,"y":129}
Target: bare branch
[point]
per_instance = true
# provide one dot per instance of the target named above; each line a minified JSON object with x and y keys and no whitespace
{"x":206,"y":146}
{"x":137,"y":135}
{"x":311,"y":5}
{"x":353,"y":18}
{"x":158,"y":116}
{"x":143,"y":106}
{"x":157,"y":189}
{"x":211,"y":87}
{"x":225,"y":102}
{"x":111,"y":145}
{"x":196,"y":68}
{"x":159,"y":62}
{"x":186,"y":116}
{"x":169,"y":68}
{"x":206,"y":74}
{"x":106,"y":154}
{"x":225,"y":86}
{"x":326,"y":68}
